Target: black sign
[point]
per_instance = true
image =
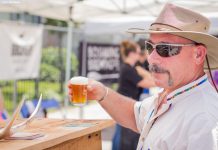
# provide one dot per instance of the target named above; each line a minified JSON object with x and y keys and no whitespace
{"x":100,"y":61}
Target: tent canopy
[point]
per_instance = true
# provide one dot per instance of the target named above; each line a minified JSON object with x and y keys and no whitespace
{"x":111,"y":17}
{"x":92,"y":9}
{"x":56,"y":9}
{"x":81,"y":11}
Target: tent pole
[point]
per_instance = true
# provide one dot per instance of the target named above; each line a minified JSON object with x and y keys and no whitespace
{"x":68,"y":64}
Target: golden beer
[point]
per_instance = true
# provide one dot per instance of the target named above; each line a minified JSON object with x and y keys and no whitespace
{"x":79,"y":90}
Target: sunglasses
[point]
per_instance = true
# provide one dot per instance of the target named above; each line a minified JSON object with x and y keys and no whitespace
{"x":165,"y":49}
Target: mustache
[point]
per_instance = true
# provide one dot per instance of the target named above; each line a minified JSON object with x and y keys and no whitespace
{"x":157,"y":69}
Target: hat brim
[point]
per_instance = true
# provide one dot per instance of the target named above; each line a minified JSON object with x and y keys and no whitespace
{"x":208,"y":40}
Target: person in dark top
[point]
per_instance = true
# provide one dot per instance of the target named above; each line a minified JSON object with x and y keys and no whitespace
{"x":142,"y":68}
{"x":128,"y":81}
{"x":130,"y":84}
{"x":143,"y":55}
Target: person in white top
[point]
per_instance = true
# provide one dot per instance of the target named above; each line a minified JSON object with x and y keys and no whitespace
{"x":184,"y":115}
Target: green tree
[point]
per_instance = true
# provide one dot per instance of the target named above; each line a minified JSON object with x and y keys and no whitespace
{"x":53,"y":65}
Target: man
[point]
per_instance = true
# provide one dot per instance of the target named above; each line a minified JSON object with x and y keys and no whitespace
{"x":185,"y":114}
{"x":142,"y":68}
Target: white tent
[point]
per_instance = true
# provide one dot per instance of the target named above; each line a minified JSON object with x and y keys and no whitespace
{"x":115,"y":16}
{"x":119,"y":26}
{"x":86,"y":10}
{"x":116,"y":25}
{"x":92,"y":9}
{"x":56,"y":9}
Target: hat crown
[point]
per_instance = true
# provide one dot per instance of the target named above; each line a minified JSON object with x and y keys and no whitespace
{"x":176,"y":18}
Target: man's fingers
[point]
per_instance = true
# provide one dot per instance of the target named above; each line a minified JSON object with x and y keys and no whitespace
{"x":70,"y":92}
{"x":89,"y":87}
{"x":70,"y":85}
{"x":69,"y":89}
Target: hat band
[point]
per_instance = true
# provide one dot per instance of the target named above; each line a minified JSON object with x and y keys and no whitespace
{"x":163,"y":27}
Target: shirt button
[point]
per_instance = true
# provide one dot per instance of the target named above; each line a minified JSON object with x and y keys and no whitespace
{"x":143,"y":139}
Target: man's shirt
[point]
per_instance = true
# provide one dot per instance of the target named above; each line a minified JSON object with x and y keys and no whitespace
{"x":191,"y":123}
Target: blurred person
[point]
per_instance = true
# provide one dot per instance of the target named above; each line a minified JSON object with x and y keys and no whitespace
{"x":214,"y":76}
{"x":130,"y":84}
{"x":143,"y":55}
{"x":143,"y":70}
{"x":184,"y":114}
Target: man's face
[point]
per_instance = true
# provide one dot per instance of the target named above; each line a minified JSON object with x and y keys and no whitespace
{"x":175,"y":70}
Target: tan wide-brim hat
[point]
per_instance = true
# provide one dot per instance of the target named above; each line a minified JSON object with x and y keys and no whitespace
{"x":185,"y":23}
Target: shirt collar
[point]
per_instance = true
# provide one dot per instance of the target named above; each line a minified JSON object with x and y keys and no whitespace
{"x":187,"y":86}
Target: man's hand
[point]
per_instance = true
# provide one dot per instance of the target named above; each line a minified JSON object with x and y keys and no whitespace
{"x":120,"y":108}
{"x":95,"y":90}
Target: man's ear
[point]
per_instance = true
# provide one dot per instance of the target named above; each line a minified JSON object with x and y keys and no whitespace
{"x":199,"y":54}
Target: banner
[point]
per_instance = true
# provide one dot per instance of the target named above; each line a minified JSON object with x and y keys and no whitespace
{"x":100,"y":61}
{"x":20,"y":51}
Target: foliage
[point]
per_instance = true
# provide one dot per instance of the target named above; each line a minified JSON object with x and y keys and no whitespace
{"x":49,"y":72}
{"x":54,"y":22}
{"x":74,"y":64}
{"x":54,"y":62}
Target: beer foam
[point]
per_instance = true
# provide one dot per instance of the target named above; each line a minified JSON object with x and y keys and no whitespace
{"x":79,"y":80}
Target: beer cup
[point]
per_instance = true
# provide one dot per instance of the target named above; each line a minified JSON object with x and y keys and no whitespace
{"x":79,"y":90}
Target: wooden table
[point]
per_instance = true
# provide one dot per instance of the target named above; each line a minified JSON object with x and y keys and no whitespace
{"x":61,"y":135}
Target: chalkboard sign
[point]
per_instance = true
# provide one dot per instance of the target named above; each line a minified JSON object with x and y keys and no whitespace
{"x":100,"y":61}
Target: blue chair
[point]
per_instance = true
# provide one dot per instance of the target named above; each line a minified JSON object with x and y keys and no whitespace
{"x":25,"y":111}
{"x":47,"y":103}
{"x":4,"y":114}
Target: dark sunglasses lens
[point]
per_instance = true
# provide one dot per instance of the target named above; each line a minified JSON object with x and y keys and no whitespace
{"x":163,"y":50}
{"x":174,"y":50}
{"x":167,"y":50}
{"x":149,"y":47}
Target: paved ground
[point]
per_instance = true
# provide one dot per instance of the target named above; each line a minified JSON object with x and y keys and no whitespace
{"x":91,"y":111}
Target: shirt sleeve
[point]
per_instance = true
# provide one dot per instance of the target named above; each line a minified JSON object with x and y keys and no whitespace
{"x":203,"y":134}
{"x":141,"y":109}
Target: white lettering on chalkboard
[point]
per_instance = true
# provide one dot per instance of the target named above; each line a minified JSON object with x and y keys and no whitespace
{"x":103,"y":58}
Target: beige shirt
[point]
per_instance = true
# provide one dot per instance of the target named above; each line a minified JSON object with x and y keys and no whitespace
{"x":189,"y":124}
